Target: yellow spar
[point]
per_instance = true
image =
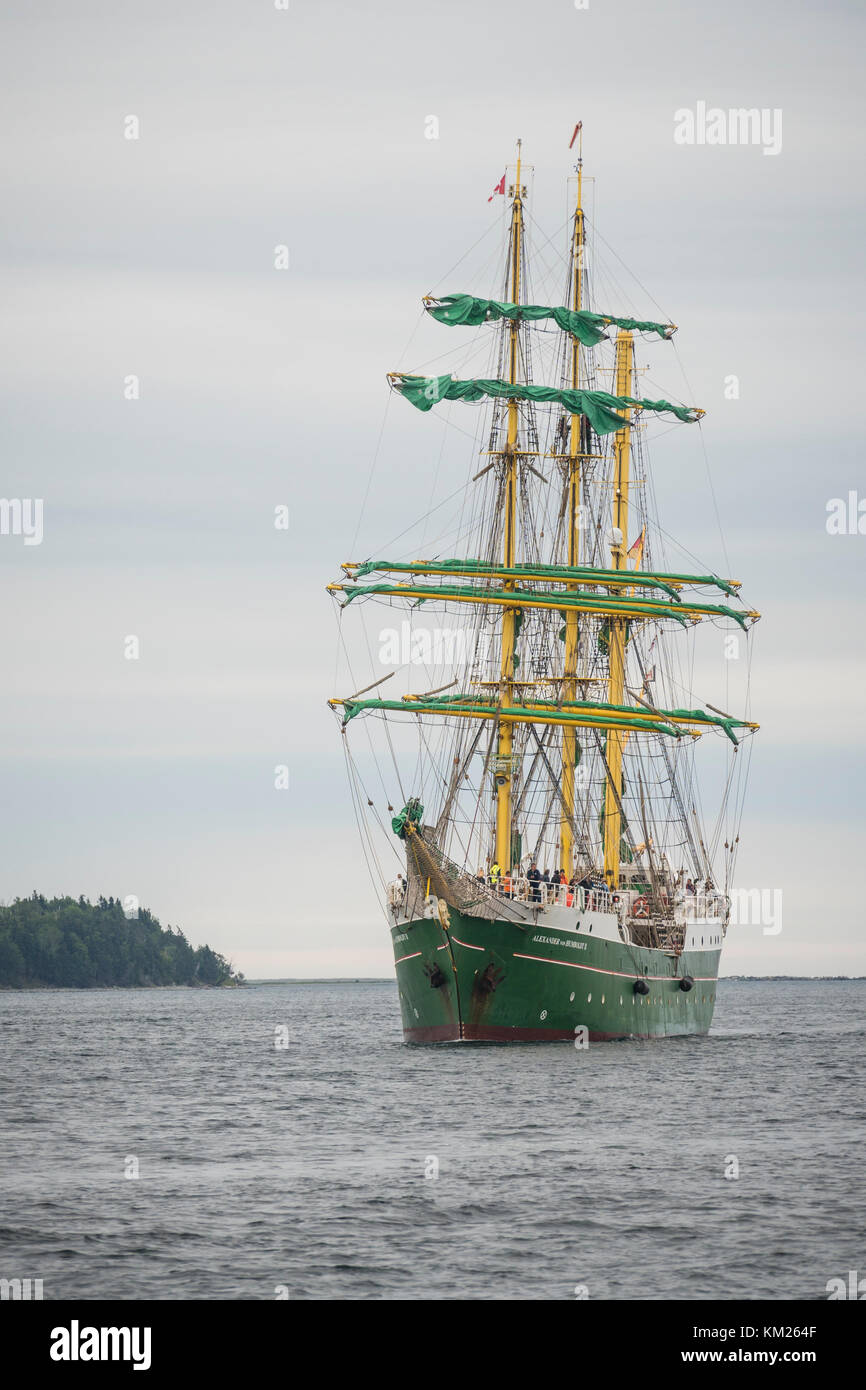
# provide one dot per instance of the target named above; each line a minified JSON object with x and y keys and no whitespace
{"x":616,"y":645}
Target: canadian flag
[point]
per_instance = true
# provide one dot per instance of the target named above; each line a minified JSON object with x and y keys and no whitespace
{"x":500,"y":188}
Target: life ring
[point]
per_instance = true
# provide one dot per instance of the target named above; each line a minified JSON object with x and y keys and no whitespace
{"x":641,"y":907}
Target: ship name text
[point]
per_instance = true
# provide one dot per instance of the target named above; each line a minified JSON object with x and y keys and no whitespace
{"x":556,"y":941}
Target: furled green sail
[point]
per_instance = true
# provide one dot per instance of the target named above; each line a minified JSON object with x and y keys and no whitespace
{"x":726,"y":722}
{"x":410,"y":814}
{"x":595,"y":712}
{"x":600,"y":407}
{"x":644,"y":579}
{"x":528,"y":714}
{"x":586,"y":326}
{"x":626,"y":605}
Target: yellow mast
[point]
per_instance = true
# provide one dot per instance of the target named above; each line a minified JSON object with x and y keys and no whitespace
{"x":503,"y":767}
{"x":572,"y":622}
{"x":617,"y":626}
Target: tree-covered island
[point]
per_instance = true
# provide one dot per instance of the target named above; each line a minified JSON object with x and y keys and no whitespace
{"x":69,"y":943}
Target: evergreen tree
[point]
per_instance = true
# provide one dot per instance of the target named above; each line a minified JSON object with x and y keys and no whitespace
{"x":68,"y":942}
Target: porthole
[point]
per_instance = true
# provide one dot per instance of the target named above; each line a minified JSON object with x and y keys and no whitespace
{"x":602,"y":999}
{"x":571,"y":997}
{"x":589,"y":999}
{"x":620,"y":1001}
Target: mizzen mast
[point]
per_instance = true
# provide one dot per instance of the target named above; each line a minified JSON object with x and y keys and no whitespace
{"x":617,"y":626}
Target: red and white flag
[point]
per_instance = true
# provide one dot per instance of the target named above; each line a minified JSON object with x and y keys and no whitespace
{"x":500,"y":188}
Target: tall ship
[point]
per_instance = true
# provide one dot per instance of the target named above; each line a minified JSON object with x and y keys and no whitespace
{"x":525,"y":753}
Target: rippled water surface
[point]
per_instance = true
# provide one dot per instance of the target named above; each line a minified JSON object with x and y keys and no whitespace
{"x":305,"y":1166}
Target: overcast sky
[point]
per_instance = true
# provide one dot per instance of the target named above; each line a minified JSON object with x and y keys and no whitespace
{"x":154,"y":257}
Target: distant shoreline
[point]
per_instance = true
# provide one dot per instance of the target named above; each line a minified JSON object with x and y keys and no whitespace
{"x":72,"y":943}
{"x":113,"y":989}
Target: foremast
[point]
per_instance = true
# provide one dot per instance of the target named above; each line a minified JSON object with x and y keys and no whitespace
{"x":503,"y":767}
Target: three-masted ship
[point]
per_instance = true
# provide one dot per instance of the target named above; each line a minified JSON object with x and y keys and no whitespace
{"x":552,"y":876}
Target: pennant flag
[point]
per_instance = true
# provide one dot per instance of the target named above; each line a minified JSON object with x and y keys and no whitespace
{"x":635,"y":551}
{"x":500,"y":188}
{"x":577,"y":128}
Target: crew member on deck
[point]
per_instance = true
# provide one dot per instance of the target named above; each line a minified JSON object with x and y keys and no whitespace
{"x":534,"y":878}
{"x":396,"y":894}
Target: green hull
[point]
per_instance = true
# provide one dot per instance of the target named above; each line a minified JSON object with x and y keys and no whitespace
{"x":500,"y":981}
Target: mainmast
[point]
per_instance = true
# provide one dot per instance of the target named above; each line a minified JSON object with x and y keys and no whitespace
{"x":617,"y":627}
{"x":572,"y":621}
{"x":503,"y":768}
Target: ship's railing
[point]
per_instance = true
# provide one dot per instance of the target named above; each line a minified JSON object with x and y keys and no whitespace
{"x":539,"y":894}
{"x":544,"y":895}
{"x":683,"y":906}
{"x":522,"y":892}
